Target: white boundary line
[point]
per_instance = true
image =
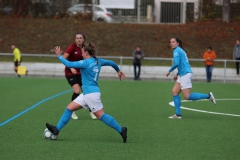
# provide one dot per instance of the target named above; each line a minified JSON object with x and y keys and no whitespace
{"x":196,"y":110}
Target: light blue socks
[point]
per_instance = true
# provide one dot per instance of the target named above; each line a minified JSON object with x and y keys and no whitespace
{"x":110,"y":121}
{"x":107,"y":119}
{"x":64,"y":119}
{"x":192,"y":96}
{"x":177,"y":104}
{"x":197,"y":96}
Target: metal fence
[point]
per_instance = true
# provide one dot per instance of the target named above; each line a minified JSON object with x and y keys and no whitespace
{"x":224,"y":70}
{"x":127,"y":11}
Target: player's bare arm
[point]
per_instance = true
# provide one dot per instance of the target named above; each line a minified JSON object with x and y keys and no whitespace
{"x":57,"y":50}
{"x":167,"y":74}
{"x":121,"y":75}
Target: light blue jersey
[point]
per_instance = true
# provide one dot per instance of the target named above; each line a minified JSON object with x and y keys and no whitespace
{"x":180,"y":62}
{"x":90,"y":70}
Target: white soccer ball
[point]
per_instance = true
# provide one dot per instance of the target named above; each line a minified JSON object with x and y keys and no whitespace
{"x":49,"y":135}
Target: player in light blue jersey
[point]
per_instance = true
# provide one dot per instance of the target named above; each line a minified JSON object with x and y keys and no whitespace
{"x":91,"y":97}
{"x":184,"y":81}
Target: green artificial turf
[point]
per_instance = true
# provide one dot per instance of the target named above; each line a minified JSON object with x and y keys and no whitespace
{"x":142,"y":106}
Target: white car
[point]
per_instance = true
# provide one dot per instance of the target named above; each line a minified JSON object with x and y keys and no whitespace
{"x":101,"y":13}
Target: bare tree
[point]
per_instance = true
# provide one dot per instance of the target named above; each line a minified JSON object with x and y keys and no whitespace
{"x":20,"y":8}
{"x":226,"y":11}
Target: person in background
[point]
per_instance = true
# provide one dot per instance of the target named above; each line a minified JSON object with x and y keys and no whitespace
{"x":183,"y":78}
{"x":236,"y":54}
{"x":138,"y":55}
{"x":73,"y":75}
{"x":17,"y":59}
{"x":209,"y":57}
{"x":91,"y":96}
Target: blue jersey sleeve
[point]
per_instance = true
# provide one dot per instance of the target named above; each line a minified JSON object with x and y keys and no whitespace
{"x":75,"y":64}
{"x":105,"y":62}
{"x":176,"y":61}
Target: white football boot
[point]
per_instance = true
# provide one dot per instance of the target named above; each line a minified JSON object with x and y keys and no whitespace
{"x":74,"y":116}
{"x":93,"y":116}
{"x":175,"y":117}
{"x":212,"y":98}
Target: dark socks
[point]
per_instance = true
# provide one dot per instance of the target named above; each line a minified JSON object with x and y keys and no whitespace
{"x":74,"y":96}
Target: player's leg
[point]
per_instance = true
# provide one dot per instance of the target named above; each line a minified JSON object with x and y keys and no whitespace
{"x":197,"y":96}
{"x":79,"y":79}
{"x":78,"y":103}
{"x":108,"y":120}
{"x":111,"y":122}
{"x":66,"y":116}
{"x":76,"y":92}
{"x":186,"y":85}
{"x":177,"y":100}
{"x":94,"y":103}
{"x":74,"y":83}
{"x":73,"y":106}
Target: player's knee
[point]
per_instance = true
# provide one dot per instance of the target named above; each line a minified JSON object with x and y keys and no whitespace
{"x":174,"y":93}
{"x":77,"y":90}
{"x":186,"y":97}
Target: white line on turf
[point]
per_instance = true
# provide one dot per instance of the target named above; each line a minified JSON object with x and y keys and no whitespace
{"x":197,"y":110}
{"x":32,"y":107}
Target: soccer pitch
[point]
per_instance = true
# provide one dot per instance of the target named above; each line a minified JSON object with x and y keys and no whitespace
{"x":207,"y":131}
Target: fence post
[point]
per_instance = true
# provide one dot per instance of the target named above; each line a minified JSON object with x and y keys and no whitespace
{"x":225,"y":68}
{"x":149,"y":13}
{"x":184,"y":11}
{"x":93,"y":11}
{"x":121,"y":58}
{"x":138,"y":11}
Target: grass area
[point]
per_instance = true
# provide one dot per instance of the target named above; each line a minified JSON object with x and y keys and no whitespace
{"x":142,"y":106}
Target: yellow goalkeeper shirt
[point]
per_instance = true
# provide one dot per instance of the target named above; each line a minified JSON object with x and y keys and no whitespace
{"x":17,"y":55}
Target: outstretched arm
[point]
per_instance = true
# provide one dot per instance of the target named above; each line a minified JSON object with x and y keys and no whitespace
{"x":104,"y":62}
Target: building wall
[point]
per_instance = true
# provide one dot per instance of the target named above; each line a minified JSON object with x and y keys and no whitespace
{"x":157,"y":9}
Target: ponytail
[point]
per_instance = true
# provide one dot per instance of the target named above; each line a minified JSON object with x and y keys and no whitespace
{"x":180,"y":43}
{"x":90,"y":48}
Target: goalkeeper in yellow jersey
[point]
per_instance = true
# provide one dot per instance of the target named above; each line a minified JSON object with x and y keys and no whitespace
{"x":17,"y":58}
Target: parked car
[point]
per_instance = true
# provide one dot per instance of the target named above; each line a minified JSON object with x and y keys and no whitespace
{"x":101,"y":13}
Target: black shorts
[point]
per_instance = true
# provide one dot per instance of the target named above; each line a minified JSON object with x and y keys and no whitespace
{"x":17,"y":63}
{"x":74,"y":80}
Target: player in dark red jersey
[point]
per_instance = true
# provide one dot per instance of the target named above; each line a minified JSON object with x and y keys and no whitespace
{"x":73,"y":75}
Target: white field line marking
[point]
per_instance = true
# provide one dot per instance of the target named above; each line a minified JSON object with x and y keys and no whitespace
{"x":196,"y":110}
